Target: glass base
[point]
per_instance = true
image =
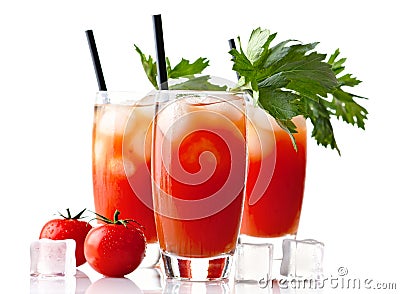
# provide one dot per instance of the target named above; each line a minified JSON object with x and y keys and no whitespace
{"x":197,"y":269}
{"x":277,"y":249}
{"x":152,"y":258}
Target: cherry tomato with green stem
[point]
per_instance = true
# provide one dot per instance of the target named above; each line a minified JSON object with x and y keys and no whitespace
{"x":68,"y":227}
{"x":115,"y":248}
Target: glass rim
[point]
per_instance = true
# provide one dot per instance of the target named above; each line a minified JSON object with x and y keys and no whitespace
{"x":215,"y":92}
{"x":126,"y":98}
{"x":163,"y":96}
{"x":156,"y":91}
{"x":250,"y":244}
{"x":132,"y":97}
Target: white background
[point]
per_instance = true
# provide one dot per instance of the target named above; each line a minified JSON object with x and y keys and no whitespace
{"x":48,"y":87}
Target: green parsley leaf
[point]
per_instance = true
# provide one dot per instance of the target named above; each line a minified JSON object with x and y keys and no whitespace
{"x":282,"y":105}
{"x":320,"y":118}
{"x":291,"y":79}
{"x":290,"y":128}
{"x":198,"y":83}
{"x":258,"y":40}
{"x":149,"y":66}
{"x":343,"y":104}
{"x":184,"y":69}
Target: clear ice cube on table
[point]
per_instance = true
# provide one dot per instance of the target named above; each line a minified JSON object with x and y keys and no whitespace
{"x":302,"y":259}
{"x":253,"y":262}
{"x":53,"y":258}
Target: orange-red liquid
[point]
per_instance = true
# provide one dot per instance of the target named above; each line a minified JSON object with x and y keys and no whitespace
{"x":112,"y":183}
{"x":277,"y":212}
{"x":214,"y":229}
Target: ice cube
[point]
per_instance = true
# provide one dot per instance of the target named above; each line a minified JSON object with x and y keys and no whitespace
{"x":261,"y":143}
{"x":145,"y":108}
{"x":173,"y":121}
{"x":260,"y":118}
{"x":139,"y":118}
{"x":132,"y":123}
{"x":99,"y":150}
{"x":129,"y":168}
{"x":52,"y":258}
{"x":120,"y":167}
{"x":253,"y":262}
{"x":113,"y":119}
{"x":138,"y":143}
{"x":231,"y":109}
{"x":302,"y":259}
{"x":183,"y":116}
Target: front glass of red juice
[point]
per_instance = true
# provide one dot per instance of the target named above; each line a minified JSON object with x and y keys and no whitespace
{"x":275,"y":182}
{"x":121,"y":161}
{"x":198,"y":167}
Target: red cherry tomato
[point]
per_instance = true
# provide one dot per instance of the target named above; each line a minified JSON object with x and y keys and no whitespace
{"x":68,"y":227}
{"x":116,"y":248}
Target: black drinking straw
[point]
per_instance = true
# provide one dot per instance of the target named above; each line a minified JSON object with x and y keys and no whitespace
{"x":161,"y":65}
{"x":232,"y":45}
{"x":96,"y":61}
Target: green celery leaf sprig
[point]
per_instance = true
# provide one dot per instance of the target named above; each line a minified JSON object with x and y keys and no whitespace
{"x":291,"y":79}
{"x":286,"y":80}
{"x":184,"y":69}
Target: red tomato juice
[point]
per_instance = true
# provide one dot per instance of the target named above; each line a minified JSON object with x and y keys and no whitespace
{"x":197,"y":218}
{"x":121,"y":170}
{"x":277,"y":212}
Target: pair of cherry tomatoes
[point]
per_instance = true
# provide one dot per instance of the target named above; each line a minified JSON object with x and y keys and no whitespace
{"x":113,"y":249}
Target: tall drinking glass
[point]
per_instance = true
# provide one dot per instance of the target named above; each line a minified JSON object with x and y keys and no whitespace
{"x":275,"y":182}
{"x":198,"y":166}
{"x":121,"y":161}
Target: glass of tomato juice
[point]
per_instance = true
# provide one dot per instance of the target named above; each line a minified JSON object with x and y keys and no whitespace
{"x":275,"y":182}
{"x":199,"y":164}
{"x":121,"y":161}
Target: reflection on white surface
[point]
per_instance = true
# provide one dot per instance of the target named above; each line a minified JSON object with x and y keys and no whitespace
{"x":184,"y":287}
{"x":253,"y":288}
{"x":53,"y":285}
{"x":77,"y":284}
{"x":300,"y":287}
{"x":151,"y":281}
{"x":147,"y":279}
{"x":113,"y":285}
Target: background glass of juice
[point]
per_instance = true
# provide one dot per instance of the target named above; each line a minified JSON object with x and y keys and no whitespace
{"x":198,"y":166}
{"x":275,"y":182}
{"x":121,"y":161}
